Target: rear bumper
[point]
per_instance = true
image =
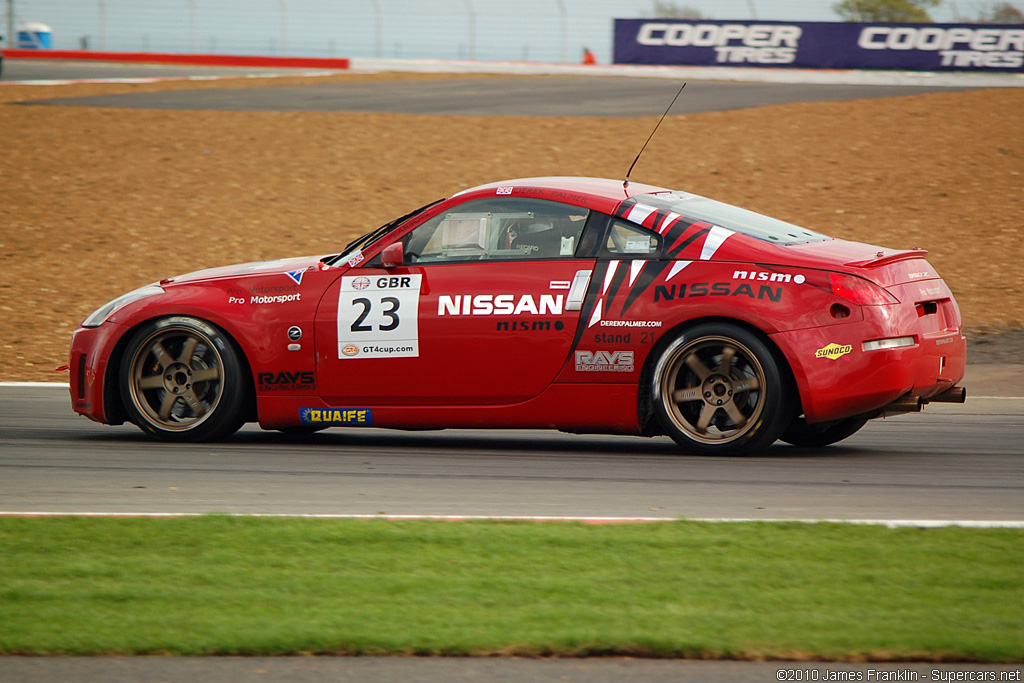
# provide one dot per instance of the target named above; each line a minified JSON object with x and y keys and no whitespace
{"x":840,"y":373}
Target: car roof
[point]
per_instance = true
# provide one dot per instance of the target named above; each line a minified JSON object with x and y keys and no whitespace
{"x":605,"y":189}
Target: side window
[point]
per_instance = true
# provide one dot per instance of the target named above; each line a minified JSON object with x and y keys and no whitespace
{"x":628,"y":240}
{"x":499,"y":229}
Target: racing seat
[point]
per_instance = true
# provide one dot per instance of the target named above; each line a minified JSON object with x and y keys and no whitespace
{"x":539,"y":240}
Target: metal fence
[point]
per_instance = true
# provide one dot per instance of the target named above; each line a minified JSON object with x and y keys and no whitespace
{"x":516,"y":30}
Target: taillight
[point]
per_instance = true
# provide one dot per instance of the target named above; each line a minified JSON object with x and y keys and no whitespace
{"x":859,"y":291}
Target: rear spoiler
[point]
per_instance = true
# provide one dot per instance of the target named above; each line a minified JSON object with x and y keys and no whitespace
{"x":881,"y":259}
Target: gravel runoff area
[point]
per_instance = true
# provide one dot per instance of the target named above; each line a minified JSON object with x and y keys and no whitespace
{"x":98,"y":201}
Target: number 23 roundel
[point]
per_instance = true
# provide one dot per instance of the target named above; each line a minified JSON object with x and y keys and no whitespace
{"x":378,"y":316}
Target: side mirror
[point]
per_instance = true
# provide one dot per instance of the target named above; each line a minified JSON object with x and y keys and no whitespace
{"x":393,"y":256}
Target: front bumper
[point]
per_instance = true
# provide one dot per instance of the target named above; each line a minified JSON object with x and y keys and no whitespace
{"x":93,"y":380}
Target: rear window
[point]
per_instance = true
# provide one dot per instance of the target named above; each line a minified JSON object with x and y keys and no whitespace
{"x":745,"y":222}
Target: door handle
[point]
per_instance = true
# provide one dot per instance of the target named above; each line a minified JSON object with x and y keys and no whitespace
{"x":578,"y":290}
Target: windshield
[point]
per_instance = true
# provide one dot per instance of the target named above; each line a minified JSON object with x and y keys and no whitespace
{"x":736,"y":219}
{"x":369,"y":238}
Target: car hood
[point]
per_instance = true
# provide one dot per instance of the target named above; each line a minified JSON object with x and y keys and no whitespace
{"x":292,"y":267}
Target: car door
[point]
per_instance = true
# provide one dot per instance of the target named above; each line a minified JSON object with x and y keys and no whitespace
{"x":483,"y":310}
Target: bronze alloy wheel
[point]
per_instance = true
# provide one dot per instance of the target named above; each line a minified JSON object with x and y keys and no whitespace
{"x":180,"y":380}
{"x":718,"y":390}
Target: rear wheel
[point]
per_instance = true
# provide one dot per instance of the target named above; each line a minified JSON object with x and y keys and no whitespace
{"x":718,"y":390}
{"x":181,"y":380}
{"x":799,"y":433}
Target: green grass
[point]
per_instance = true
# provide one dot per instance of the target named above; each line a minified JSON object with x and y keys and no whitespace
{"x":229,"y":585}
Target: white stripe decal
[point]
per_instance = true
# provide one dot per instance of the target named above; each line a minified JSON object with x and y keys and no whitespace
{"x":669,"y":220}
{"x":634,"y":270}
{"x":597,"y":314}
{"x":714,"y":240}
{"x":676,"y":268}
{"x":612,"y":267}
{"x":639,"y":213}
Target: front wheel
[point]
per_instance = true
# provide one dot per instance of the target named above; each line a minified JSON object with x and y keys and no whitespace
{"x":718,"y":390}
{"x":181,"y":380}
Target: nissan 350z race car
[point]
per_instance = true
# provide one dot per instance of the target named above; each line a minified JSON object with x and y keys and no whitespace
{"x":576,"y":304}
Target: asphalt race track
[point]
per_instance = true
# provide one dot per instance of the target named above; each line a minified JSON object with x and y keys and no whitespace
{"x":465,"y":670}
{"x":552,"y":96}
{"x":549,"y":96}
{"x":951,"y":462}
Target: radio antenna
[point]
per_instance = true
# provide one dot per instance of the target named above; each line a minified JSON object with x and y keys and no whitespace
{"x":625,"y":183}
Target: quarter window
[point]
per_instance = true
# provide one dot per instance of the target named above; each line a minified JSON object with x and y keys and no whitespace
{"x":628,"y":240}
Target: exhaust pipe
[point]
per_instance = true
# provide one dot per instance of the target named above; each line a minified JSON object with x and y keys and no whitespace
{"x":914,"y":404}
{"x":906,"y":404}
{"x":951,"y":395}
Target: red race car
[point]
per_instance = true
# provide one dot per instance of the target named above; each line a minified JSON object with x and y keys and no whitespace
{"x":576,"y":304}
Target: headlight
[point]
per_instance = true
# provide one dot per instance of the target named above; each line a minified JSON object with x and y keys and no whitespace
{"x":106,"y":310}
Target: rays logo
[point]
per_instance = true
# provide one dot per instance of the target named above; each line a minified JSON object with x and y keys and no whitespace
{"x":604,"y":361}
{"x":287,"y":381}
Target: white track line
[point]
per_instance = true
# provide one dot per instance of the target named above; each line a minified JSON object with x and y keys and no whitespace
{"x":719,"y":73}
{"x":65,"y":385}
{"x":890,"y":523}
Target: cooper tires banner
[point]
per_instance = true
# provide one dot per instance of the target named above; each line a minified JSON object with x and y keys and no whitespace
{"x":901,"y":47}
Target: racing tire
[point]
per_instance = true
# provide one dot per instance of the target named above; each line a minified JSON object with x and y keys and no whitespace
{"x":719,"y":390}
{"x":804,"y":435}
{"x":181,"y":380}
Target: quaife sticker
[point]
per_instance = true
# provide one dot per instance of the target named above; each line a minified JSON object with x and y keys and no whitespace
{"x":378,"y":317}
{"x":347,"y":416}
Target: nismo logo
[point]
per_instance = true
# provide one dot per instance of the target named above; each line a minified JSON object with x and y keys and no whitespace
{"x":765,"y":276}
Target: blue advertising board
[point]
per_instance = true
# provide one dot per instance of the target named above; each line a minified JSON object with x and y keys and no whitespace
{"x":805,"y":45}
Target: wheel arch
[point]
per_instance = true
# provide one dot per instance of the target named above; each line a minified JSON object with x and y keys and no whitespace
{"x":646,"y":416}
{"x":113,"y":402}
